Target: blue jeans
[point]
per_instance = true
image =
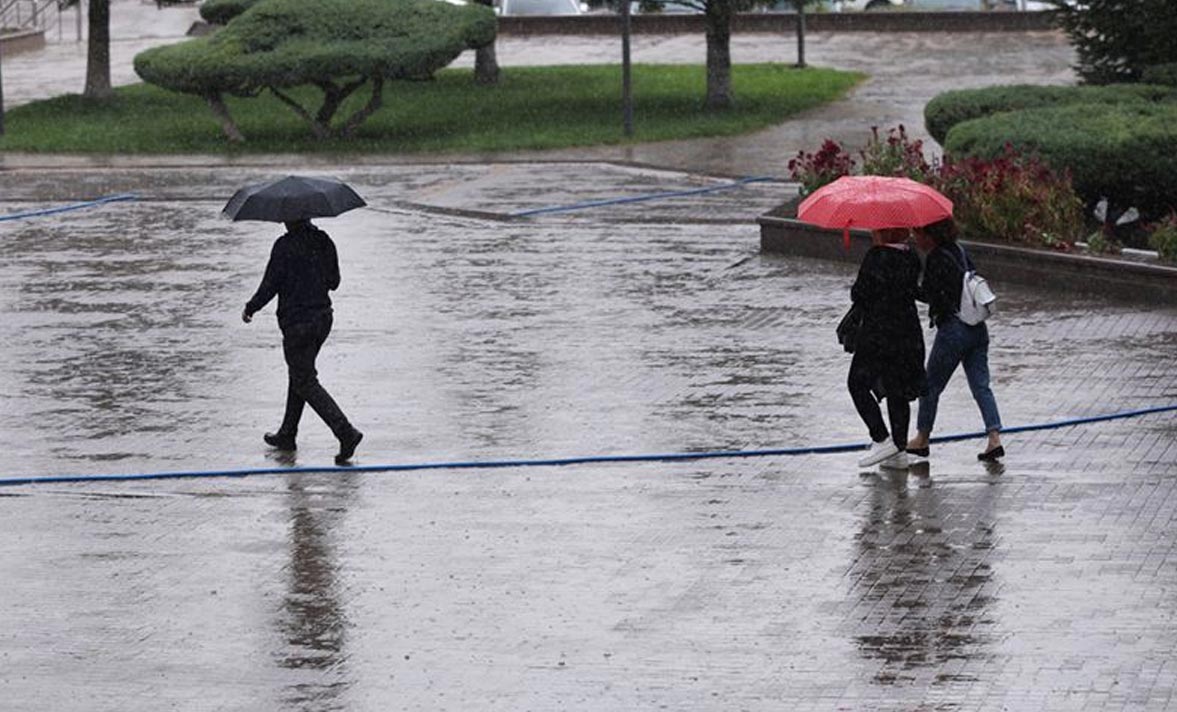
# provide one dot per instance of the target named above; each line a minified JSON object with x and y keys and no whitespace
{"x":956,"y":343}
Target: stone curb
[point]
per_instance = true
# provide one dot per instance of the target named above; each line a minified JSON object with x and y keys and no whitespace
{"x":24,"y":41}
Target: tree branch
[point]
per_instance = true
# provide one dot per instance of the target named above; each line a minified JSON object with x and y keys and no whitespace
{"x":221,"y":111}
{"x":317,"y":128}
{"x":333,"y":98}
{"x":373,"y":105}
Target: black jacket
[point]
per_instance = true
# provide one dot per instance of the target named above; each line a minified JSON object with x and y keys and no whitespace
{"x":890,"y":340}
{"x":303,"y":268}
{"x":942,"y":281}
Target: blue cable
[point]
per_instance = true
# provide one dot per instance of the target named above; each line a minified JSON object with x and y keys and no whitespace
{"x":67,"y":208}
{"x":562,"y":461}
{"x":639,"y":198}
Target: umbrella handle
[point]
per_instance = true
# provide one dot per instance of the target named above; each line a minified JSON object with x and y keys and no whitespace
{"x":846,"y":238}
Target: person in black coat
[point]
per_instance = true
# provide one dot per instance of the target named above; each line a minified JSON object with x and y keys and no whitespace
{"x":303,"y":268}
{"x":889,"y":351}
{"x":956,"y":342}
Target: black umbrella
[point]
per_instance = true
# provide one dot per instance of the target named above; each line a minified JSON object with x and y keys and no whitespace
{"x":292,"y":198}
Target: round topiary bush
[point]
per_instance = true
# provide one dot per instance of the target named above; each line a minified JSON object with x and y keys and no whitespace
{"x":338,"y":46}
{"x":1126,"y":153}
{"x":951,"y":108}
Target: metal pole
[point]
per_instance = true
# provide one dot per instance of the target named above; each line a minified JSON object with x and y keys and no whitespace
{"x":626,"y":79}
{"x":79,"y":7}
{"x":1,"y":95}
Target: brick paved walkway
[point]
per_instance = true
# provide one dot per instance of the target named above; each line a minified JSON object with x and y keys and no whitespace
{"x":770,"y":584}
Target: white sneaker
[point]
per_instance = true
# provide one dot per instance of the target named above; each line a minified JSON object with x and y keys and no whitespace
{"x":878,"y":452}
{"x":898,"y":461}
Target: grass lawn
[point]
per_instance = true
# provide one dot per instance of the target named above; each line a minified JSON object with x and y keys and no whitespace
{"x":532,"y":108}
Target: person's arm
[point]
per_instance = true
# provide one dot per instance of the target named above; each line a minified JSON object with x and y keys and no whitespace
{"x":332,"y":266}
{"x":268,"y":289}
{"x":868,"y":284}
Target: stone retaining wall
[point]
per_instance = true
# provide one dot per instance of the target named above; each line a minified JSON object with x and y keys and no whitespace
{"x":608,"y":24}
{"x":1061,"y":271}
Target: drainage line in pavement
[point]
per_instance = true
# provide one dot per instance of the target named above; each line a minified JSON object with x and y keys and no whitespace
{"x":557,"y":462}
{"x":640,"y":198}
{"x":67,"y":208}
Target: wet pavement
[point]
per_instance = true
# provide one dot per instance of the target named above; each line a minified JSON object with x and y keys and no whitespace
{"x":777,"y":583}
{"x":463,"y":333}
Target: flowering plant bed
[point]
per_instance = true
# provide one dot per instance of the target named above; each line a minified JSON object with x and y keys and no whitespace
{"x":1119,"y":276}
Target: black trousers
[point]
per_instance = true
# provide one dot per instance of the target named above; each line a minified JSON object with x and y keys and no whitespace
{"x":301,"y":343}
{"x":865,"y":375}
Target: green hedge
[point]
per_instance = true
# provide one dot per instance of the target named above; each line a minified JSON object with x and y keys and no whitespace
{"x":219,"y":12}
{"x":1125,"y":153}
{"x":951,"y":108}
{"x":1165,"y":74}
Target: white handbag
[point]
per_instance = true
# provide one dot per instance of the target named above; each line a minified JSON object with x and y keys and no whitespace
{"x":977,"y":300}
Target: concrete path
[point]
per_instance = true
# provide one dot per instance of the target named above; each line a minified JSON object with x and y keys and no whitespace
{"x":768,"y":584}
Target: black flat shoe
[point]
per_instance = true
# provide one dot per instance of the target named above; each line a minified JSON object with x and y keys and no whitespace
{"x":347,"y":446}
{"x":918,"y":451}
{"x":280,"y":441}
{"x":992,"y":455}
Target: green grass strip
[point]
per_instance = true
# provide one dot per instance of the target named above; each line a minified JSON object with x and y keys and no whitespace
{"x":532,"y":108}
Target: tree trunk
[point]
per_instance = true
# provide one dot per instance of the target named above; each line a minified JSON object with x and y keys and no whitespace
{"x":373,"y":105}
{"x":719,"y":56}
{"x":800,"y":6}
{"x":486,"y":63}
{"x":217,"y":104}
{"x":320,"y":130}
{"x":98,"y":52}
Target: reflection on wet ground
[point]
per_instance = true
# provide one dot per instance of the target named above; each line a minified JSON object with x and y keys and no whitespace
{"x":788,"y":583}
{"x":923,"y":579}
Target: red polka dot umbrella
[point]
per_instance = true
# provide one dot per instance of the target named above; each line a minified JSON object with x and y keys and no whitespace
{"x":873,"y":203}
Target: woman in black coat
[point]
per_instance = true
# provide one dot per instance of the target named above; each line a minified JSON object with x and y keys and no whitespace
{"x":889,"y":351}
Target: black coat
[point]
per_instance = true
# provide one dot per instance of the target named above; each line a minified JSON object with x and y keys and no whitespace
{"x":891,"y":340}
{"x":303,"y":268}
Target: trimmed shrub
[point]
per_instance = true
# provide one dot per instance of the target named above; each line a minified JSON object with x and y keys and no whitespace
{"x":339,"y":46}
{"x":951,"y":108}
{"x":1117,"y":39}
{"x":1160,"y":74}
{"x":219,"y":12}
{"x":1127,"y":154}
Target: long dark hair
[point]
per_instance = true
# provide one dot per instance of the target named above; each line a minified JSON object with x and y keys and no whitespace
{"x":942,"y":232}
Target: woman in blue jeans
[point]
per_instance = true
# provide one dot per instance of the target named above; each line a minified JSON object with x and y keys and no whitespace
{"x":956,"y":342}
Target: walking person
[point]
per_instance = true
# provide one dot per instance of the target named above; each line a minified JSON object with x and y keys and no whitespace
{"x":302,"y":269}
{"x":956,"y":342}
{"x":889,"y":349}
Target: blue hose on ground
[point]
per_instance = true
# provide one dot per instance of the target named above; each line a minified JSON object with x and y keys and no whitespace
{"x":562,"y":461}
{"x":639,"y":198}
{"x":67,"y":208}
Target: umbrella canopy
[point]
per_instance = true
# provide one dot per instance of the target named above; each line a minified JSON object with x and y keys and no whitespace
{"x":292,"y":198}
{"x":874,"y":203}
